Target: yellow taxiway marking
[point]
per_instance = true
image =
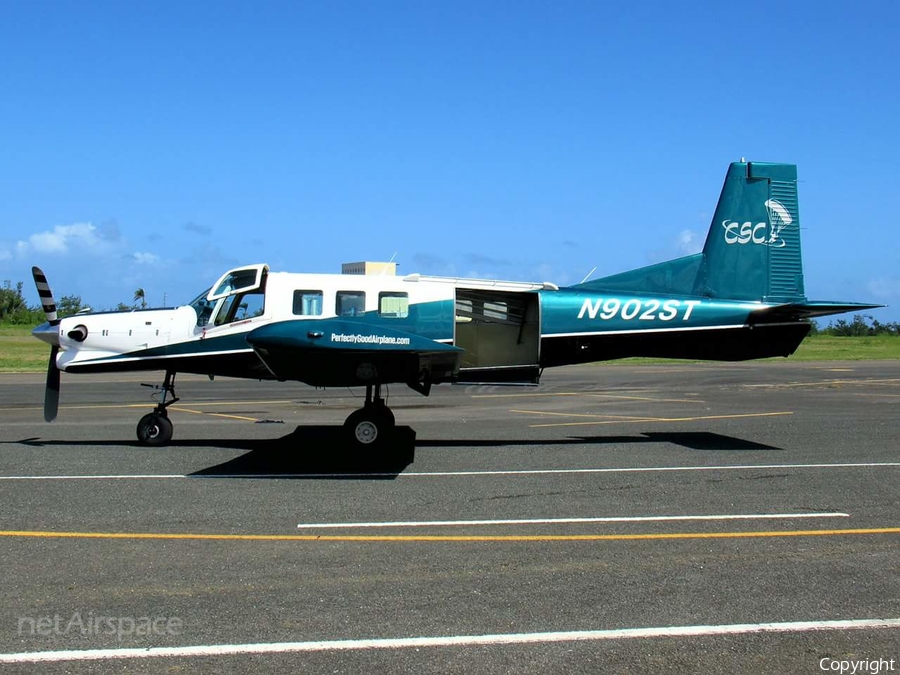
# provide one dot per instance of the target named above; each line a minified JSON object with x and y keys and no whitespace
{"x":535,"y":395}
{"x":202,"y":404}
{"x":660,"y":419}
{"x":822,"y":383}
{"x":113,"y":406}
{"x":595,"y":394}
{"x":635,"y":418}
{"x":558,"y":393}
{"x":447,"y":538}
{"x":648,"y":398}
{"x":212,"y":414}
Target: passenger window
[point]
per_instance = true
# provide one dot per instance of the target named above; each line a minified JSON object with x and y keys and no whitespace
{"x":308,"y":303}
{"x":350,"y":303}
{"x":393,"y":305}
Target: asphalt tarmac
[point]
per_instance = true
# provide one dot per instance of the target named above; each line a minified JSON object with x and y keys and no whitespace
{"x":700,"y":518}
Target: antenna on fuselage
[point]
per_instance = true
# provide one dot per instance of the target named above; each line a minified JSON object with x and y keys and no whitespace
{"x":385,"y":268}
{"x":588,"y":275}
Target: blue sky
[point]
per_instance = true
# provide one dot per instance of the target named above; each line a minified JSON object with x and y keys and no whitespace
{"x":157,"y":144}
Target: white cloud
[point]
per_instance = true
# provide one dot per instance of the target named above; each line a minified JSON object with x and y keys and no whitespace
{"x":62,"y":238}
{"x":689,"y":242}
{"x":141,"y":258}
{"x":5,"y":254}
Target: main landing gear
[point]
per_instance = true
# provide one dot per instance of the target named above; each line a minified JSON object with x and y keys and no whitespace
{"x":373,"y":423}
{"x":155,"y":428}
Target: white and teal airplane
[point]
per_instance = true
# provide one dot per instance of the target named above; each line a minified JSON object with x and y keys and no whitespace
{"x":741,"y":298}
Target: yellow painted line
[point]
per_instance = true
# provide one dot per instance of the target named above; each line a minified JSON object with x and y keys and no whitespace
{"x":661,"y":419}
{"x":790,"y":385}
{"x":558,"y":393}
{"x":594,"y":395}
{"x":868,"y":393}
{"x":648,"y":398}
{"x":113,"y":406}
{"x":204,"y":404}
{"x":200,"y":412}
{"x":446,"y":538}
{"x":104,"y":406}
{"x":597,"y":416}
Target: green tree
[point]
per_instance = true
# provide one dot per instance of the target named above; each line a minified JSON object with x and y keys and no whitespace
{"x":860,"y":327}
{"x":140,"y":295}
{"x":70,"y":304}
{"x":11,"y":300}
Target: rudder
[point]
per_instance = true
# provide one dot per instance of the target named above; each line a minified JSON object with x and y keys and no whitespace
{"x":752,"y":251}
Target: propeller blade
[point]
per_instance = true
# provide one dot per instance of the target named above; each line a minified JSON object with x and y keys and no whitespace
{"x":51,"y":393}
{"x":47,"y":301}
{"x":46,"y":333}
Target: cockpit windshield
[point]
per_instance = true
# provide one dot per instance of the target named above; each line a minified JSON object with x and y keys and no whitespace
{"x":203,"y":307}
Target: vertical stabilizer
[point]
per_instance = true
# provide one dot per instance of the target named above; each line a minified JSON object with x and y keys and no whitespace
{"x":752,"y":251}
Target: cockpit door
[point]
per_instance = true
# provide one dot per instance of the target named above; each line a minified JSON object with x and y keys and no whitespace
{"x":241,"y":280}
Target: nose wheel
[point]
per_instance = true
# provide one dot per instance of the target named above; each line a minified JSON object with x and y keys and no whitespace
{"x":155,"y":428}
{"x":371,"y":425}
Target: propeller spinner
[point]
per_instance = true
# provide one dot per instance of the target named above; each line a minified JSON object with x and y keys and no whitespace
{"x":48,"y":332}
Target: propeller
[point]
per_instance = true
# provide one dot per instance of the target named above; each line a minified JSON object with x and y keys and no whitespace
{"x":48,"y":332}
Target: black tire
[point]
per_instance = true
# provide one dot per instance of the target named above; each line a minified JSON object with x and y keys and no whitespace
{"x":154,"y":430}
{"x":365,"y":429}
{"x":387,"y":417}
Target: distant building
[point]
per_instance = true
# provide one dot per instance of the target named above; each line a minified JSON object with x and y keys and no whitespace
{"x":372,"y":268}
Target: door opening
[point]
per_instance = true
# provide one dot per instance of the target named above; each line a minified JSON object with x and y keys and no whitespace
{"x":500,"y":333}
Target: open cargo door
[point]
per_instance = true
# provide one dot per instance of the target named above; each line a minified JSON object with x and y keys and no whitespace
{"x":500,"y":333}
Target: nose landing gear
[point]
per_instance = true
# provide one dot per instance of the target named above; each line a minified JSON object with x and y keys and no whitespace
{"x":155,"y":428}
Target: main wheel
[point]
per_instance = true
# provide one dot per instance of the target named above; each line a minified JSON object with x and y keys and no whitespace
{"x":369,"y":427}
{"x":154,"y":429}
{"x":387,"y":417}
{"x":364,"y":429}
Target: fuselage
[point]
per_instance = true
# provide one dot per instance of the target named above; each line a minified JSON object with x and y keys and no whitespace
{"x":332,"y":329}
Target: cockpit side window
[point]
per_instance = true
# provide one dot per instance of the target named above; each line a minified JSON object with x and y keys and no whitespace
{"x":240,"y":307}
{"x":235,"y":306}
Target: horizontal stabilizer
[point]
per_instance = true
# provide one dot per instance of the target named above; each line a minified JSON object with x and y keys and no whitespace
{"x":809,"y":310}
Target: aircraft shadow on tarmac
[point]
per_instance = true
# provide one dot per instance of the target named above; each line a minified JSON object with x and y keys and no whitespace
{"x":325,"y":452}
{"x":317,"y":452}
{"x":307,"y":452}
{"x":693,"y":440}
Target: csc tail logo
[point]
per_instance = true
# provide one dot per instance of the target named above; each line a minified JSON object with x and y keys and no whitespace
{"x":766,"y":233}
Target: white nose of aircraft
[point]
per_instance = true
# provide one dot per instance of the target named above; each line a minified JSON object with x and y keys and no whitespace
{"x":47,"y":333}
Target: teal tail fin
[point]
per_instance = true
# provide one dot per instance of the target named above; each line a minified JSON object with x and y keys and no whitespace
{"x":752,"y":251}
